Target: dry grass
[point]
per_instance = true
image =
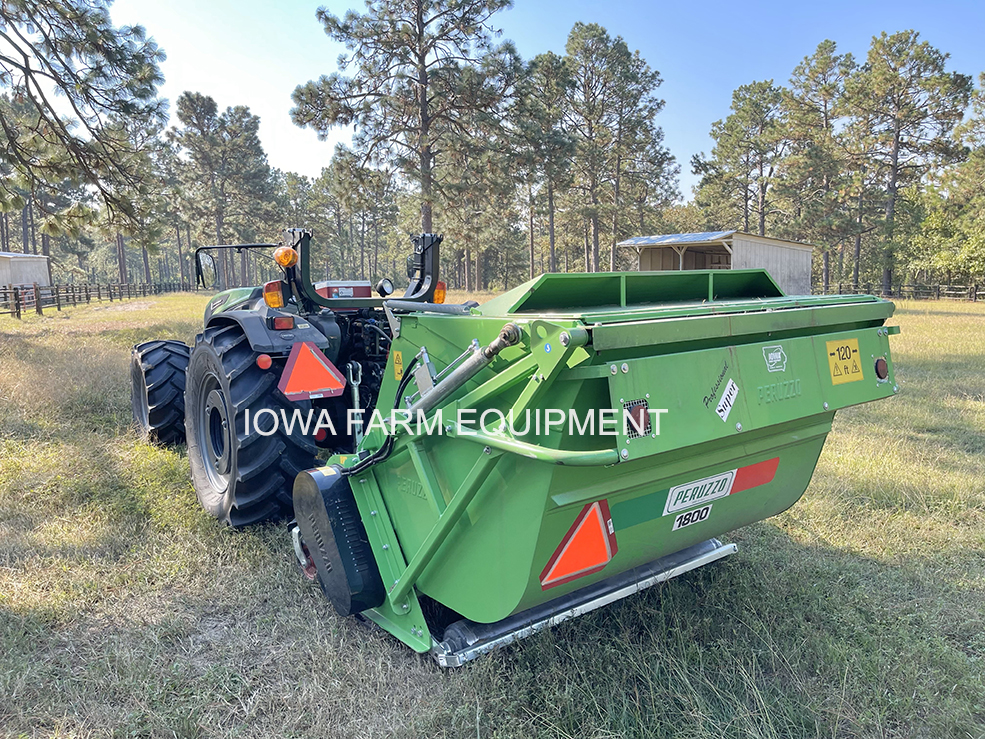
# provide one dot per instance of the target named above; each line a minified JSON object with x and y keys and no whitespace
{"x":126,"y":611}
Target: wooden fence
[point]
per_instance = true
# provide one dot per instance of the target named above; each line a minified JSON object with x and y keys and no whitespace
{"x":15,"y":300}
{"x":915,"y":292}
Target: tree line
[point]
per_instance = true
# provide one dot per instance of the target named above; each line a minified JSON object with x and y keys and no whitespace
{"x":526,"y":165}
{"x":875,"y":161}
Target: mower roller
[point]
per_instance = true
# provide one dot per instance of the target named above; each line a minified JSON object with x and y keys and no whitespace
{"x":493,"y":470}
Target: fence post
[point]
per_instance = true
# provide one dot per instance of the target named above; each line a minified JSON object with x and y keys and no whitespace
{"x":88,"y":296}
{"x":109,"y":287}
{"x":17,"y":303}
{"x":938,"y":292}
{"x":974,"y":292}
{"x":37,"y":300}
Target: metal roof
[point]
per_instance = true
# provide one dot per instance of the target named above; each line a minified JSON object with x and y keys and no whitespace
{"x":18,"y":254}
{"x":671,"y":239}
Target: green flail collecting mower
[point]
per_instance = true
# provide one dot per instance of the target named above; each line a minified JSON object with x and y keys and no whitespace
{"x":494,"y":470}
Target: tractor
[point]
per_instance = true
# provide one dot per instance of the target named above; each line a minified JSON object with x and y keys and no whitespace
{"x":463,"y":475}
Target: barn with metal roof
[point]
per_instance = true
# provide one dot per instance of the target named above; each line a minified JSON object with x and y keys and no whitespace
{"x":788,"y":262}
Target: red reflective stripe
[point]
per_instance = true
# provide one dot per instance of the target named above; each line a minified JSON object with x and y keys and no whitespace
{"x":588,"y":547}
{"x":755,"y":475}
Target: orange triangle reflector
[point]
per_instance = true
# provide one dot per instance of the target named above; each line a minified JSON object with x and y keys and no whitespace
{"x":588,"y":546}
{"x":309,"y":374}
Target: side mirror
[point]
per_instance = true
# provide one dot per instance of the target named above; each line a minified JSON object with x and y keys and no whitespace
{"x":206,"y":272}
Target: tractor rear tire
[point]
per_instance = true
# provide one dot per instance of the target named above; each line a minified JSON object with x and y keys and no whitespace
{"x":157,"y":390}
{"x":241,"y":476}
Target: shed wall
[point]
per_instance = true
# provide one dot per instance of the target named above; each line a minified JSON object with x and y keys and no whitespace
{"x":23,"y":270}
{"x":789,"y":266}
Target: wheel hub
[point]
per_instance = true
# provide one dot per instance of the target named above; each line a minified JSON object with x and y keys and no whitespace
{"x":215,"y":433}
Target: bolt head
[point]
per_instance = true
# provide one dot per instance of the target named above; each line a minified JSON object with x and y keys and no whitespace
{"x":624,"y":454}
{"x":625,"y":368}
{"x":565,"y":338}
{"x":372,"y":513}
{"x":487,"y":450}
{"x":825,"y":406}
{"x":738,"y":427}
{"x":386,"y":546}
{"x":613,"y":369}
{"x":895,"y":388}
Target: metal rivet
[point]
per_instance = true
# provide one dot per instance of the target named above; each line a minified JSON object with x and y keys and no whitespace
{"x":895,"y":388}
{"x":487,"y":450}
{"x":624,"y":454}
{"x":648,"y":395}
{"x":372,"y":513}
{"x":613,"y":369}
{"x":825,"y":406}
{"x":621,"y":400}
{"x":625,"y":368}
{"x":565,"y":338}
{"x":404,"y":607}
{"x":738,"y":427}
{"x":386,"y":546}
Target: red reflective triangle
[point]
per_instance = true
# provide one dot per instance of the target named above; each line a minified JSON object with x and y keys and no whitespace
{"x":310,"y":374}
{"x":588,"y":546}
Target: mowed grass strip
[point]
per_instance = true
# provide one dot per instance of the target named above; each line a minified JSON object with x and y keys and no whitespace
{"x":126,"y":611}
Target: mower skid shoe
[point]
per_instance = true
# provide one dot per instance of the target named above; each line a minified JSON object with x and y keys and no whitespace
{"x":465,"y":640}
{"x":330,"y":526}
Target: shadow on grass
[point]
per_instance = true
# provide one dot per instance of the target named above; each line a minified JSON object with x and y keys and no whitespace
{"x":782,"y":640}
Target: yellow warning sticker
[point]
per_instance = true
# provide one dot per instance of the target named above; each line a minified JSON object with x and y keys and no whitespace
{"x":844,"y":361}
{"x":398,"y":366}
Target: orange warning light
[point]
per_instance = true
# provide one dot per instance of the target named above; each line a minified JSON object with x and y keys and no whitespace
{"x":589,"y":545}
{"x":285,"y":256}
{"x":309,"y":374}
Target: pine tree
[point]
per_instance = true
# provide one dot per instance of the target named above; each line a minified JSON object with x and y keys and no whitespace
{"x":71,"y":50}
{"x":911,"y":104}
{"x":406,"y":96}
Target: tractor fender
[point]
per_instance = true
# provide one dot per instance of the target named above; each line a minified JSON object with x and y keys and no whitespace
{"x":321,"y":330}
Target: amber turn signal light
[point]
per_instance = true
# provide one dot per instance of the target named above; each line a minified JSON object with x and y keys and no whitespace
{"x":440,"y":290}
{"x":273,"y":294}
{"x":285,"y":256}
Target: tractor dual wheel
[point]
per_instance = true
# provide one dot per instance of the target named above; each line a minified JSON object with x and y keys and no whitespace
{"x":157,"y":390}
{"x":241,"y":476}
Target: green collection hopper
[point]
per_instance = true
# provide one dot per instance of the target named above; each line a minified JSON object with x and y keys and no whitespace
{"x":651,"y":413}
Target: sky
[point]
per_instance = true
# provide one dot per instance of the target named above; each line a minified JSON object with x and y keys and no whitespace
{"x":255,"y":53}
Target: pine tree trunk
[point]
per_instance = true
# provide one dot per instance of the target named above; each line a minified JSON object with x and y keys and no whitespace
{"x":181,"y":258}
{"x":552,"y":266}
{"x":530,"y":199}
{"x":888,"y":256}
{"x":147,"y":278}
{"x":25,"y":237}
{"x":858,"y":239}
{"x":615,"y":211}
{"x":34,"y":231}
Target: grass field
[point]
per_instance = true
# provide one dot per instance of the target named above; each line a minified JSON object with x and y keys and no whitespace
{"x":126,"y":611}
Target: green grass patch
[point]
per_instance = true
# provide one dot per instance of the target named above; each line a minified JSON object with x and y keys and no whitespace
{"x":126,"y":611}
